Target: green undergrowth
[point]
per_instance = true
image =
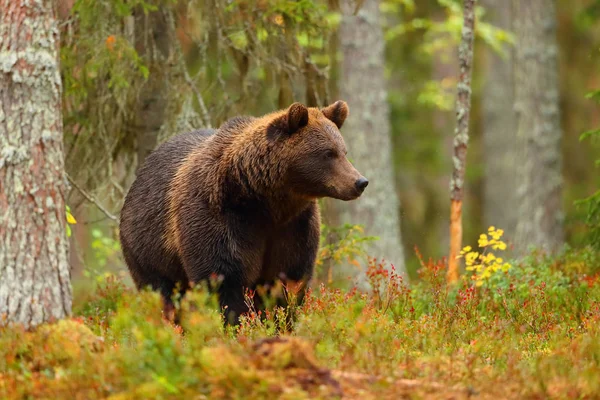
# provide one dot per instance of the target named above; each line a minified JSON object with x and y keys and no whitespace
{"x":530,"y":332}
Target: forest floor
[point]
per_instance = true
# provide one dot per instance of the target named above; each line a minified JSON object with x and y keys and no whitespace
{"x":528,"y":332}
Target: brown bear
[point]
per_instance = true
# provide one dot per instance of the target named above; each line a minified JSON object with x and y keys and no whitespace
{"x":239,"y":202}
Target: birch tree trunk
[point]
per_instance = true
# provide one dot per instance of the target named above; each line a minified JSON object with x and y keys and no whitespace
{"x":34,"y":271}
{"x":499,"y":128}
{"x":461,"y":136}
{"x":367,"y":131}
{"x":539,"y":181}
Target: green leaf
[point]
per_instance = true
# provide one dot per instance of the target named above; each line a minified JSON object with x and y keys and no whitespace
{"x":588,"y":134}
{"x":162,"y":381}
{"x":594,"y":95}
{"x":238,"y":39}
{"x":144,"y":71}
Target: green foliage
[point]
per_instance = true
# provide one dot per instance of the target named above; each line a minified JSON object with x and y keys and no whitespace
{"x":105,"y":248}
{"x":534,"y":334}
{"x":592,"y":203}
{"x":102,"y":74}
{"x":345,"y":245}
{"x":264,"y":47}
{"x":593,"y":217}
{"x":440,"y":38}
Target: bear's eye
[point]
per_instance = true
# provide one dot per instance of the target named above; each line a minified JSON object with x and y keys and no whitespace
{"x":330,"y":154}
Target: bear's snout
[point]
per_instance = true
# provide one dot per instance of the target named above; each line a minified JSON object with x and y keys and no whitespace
{"x":361,"y":183}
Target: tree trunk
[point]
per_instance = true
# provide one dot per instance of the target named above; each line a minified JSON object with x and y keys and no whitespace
{"x":539,"y":181}
{"x":34,"y":271}
{"x":153,"y":38}
{"x":499,"y":129}
{"x":367,"y":131}
{"x":461,"y":136}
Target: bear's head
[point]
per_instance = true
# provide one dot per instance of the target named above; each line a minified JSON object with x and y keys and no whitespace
{"x":315,"y":152}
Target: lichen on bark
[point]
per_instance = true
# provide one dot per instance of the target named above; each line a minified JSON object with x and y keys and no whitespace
{"x":367,"y":131}
{"x":34,"y":270}
{"x":499,"y":127}
{"x":538,"y":139}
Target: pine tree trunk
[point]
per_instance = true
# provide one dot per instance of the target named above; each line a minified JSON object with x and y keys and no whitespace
{"x":367,"y":131}
{"x":34,"y":271}
{"x":539,"y":181}
{"x":461,"y":136}
{"x":153,"y":38}
{"x":499,"y":128}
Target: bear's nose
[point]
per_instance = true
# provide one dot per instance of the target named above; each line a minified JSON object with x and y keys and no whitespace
{"x":361,"y":183}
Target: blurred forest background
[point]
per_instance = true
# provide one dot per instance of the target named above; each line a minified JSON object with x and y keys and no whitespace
{"x":136,"y":72}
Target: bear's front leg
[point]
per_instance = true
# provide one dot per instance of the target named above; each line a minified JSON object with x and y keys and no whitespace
{"x":228,"y":249}
{"x":230,"y":287}
{"x":293,"y":251}
{"x":232,"y":300}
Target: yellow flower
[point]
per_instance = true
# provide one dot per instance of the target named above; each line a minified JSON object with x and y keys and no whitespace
{"x":499,"y":246}
{"x":497,"y":234}
{"x":483,"y":240}
{"x":484,"y":264}
{"x":489,"y":258}
{"x":471,"y":257}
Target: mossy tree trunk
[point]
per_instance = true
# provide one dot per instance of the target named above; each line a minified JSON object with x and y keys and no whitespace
{"x":539,"y":181}
{"x":367,"y":131}
{"x":499,"y":128}
{"x":34,"y":271}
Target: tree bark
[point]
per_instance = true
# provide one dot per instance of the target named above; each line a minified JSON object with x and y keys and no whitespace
{"x":153,"y":42}
{"x":499,"y":128}
{"x":539,"y":181}
{"x":461,"y":136}
{"x":367,"y":131}
{"x":34,"y":271}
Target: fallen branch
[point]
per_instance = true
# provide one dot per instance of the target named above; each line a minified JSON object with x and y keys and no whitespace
{"x":92,"y":199}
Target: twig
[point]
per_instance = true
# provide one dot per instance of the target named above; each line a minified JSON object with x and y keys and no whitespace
{"x":92,"y":199}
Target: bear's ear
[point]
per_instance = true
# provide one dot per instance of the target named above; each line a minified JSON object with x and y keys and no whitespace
{"x":297,"y":117}
{"x":336,"y":112}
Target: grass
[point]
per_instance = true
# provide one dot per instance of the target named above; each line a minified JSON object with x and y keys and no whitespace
{"x":530,"y":332}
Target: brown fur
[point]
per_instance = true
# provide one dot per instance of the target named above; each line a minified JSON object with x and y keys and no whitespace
{"x":239,"y":202}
